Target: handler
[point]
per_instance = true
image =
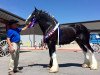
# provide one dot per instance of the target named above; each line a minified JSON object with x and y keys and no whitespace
{"x":13,"y":39}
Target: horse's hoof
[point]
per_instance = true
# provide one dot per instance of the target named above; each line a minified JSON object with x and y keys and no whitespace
{"x":85,"y":66}
{"x":93,"y":67}
{"x":53,"y":70}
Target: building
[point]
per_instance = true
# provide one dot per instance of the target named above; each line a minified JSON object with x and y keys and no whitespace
{"x":93,"y":26}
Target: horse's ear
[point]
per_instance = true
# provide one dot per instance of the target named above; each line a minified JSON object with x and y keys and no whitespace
{"x":36,"y":9}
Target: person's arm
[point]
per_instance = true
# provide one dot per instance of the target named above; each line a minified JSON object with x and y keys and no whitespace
{"x":26,"y":26}
{"x":9,"y":42}
{"x":11,"y":49}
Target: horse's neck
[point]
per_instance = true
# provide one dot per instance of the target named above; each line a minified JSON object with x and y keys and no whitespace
{"x":44,"y":27}
{"x":46,"y":23}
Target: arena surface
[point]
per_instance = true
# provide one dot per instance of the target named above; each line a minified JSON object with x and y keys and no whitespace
{"x":34,"y":62}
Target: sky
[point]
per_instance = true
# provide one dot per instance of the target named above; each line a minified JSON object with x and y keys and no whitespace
{"x":65,"y":11}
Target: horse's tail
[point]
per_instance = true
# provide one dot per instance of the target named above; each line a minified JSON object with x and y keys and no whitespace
{"x":83,"y":32}
{"x":83,"y":29}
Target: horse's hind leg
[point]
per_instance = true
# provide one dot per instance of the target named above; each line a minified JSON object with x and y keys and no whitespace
{"x":86,"y":63}
{"x":93,"y":61}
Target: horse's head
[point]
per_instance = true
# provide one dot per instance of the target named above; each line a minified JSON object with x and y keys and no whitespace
{"x":44,"y":20}
{"x":33,"y":17}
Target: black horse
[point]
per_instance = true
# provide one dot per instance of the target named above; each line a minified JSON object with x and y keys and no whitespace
{"x":68,"y":33}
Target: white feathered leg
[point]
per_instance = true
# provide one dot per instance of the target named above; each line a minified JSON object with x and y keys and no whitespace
{"x":86,"y":63}
{"x":93,"y":61}
{"x":55,"y":66}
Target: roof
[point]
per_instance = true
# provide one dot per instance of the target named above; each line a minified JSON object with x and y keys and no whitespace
{"x":93,"y":26}
{"x":8,"y":16}
{"x":5,"y":16}
{"x":82,"y":22}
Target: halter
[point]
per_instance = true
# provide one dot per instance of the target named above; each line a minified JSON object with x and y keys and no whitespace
{"x":32,"y":23}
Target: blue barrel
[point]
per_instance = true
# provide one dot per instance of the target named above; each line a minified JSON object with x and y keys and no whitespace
{"x":94,"y":39}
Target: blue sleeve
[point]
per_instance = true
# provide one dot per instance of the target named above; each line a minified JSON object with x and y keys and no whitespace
{"x":19,"y":29}
{"x":9,"y":33}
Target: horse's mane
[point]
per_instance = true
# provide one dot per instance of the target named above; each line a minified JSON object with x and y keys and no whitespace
{"x":48,"y":15}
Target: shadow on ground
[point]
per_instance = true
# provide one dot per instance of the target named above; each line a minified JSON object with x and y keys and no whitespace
{"x":60,"y":65}
{"x":24,"y":51}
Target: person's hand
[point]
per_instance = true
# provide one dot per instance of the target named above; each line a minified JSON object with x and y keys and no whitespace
{"x":11,"y":50}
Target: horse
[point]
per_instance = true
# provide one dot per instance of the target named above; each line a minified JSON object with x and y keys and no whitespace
{"x":67,"y":33}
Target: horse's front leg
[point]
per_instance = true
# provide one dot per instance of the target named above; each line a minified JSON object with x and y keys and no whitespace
{"x":53,"y":59}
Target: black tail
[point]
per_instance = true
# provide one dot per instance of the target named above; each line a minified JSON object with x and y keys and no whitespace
{"x":84,"y":30}
{"x":82,"y":33}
